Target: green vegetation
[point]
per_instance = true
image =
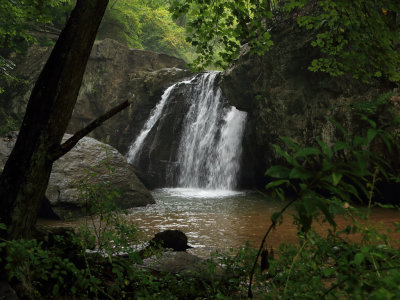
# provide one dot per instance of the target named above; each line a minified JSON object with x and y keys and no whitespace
{"x":321,"y":181}
{"x":354,"y":37}
{"x":145,"y":25}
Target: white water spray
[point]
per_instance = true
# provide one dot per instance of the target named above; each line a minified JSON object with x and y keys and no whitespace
{"x":209,"y":151}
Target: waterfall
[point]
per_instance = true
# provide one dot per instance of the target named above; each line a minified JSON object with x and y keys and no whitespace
{"x":210,"y":135}
{"x":134,"y":149}
{"x":210,"y":147}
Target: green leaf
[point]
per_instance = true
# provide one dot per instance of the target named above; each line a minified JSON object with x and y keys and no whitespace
{"x":341,"y":146}
{"x":325,"y":210}
{"x":307,"y":152}
{"x":386,"y":205}
{"x":299,"y":173}
{"x":371,"y":134}
{"x":387,"y":141}
{"x":336,"y":177}
{"x":288,"y":158}
{"x":325,"y":149}
{"x":278,"y":172}
{"x":328,"y":272}
{"x":290,"y":143}
{"x":276,"y":183}
{"x":358,"y":258}
{"x":371,"y":122}
{"x":358,"y":141}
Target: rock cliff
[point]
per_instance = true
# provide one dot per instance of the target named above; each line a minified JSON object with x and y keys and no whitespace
{"x":284,"y":98}
{"x":114,"y":74}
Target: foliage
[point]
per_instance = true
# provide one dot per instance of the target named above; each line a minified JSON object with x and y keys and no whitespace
{"x":105,"y":222}
{"x":121,"y":22}
{"x":18,"y":19}
{"x":356,"y":37}
{"x":373,"y":108}
{"x":344,"y":171}
{"x":78,"y":271}
{"x":6,"y":66}
{"x":159,"y":32}
{"x":7,"y":124}
{"x":331,"y":268}
{"x":323,"y":180}
{"x":224,"y":23}
{"x":144,"y":25}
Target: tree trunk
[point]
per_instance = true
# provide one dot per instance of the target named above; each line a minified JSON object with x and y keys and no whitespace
{"x":25,"y":176}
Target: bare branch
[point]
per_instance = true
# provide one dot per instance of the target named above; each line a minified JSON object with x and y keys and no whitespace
{"x":72,"y":141}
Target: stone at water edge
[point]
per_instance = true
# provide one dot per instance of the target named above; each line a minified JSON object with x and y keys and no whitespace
{"x":171,"y":239}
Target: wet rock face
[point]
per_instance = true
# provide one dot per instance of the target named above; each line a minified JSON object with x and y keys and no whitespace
{"x":283,"y":98}
{"x":114,"y":74}
{"x":159,"y":151}
{"x":106,"y":165}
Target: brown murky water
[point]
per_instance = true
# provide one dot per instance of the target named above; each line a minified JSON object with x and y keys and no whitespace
{"x":220,"y":220}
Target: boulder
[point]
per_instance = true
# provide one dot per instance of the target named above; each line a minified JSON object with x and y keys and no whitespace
{"x":89,"y":163}
{"x":171,"y":239}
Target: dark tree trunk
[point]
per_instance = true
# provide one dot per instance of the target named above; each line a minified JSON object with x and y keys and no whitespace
{"x":25,"y":176}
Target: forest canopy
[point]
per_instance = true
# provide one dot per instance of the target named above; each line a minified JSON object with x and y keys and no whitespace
{"x":142,"y":24}
{"x":357,"y":37}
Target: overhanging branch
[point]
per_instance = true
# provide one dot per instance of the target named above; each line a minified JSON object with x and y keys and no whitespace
{"x":72,"y":141}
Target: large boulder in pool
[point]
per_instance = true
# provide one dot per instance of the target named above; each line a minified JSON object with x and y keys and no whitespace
{"x":90,"y":164}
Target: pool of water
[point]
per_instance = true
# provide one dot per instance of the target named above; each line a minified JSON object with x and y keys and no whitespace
{"x":211,"y":219}
{"x":217,"y":219}
{"x":220,"y":219}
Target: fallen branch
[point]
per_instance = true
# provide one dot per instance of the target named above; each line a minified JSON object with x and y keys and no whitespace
{"x":72,"y":141}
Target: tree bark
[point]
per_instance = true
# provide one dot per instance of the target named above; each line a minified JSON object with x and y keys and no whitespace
{"x":25,"y":176}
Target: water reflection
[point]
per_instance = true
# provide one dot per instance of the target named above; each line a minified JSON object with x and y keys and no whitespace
{"x":218,"y":220}
{"x":213,"y":220}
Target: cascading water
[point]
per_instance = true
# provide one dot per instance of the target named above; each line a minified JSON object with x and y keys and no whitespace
{"x":209,"y":150}
{"x":210,"y":147}
{"x":134,"y":149}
